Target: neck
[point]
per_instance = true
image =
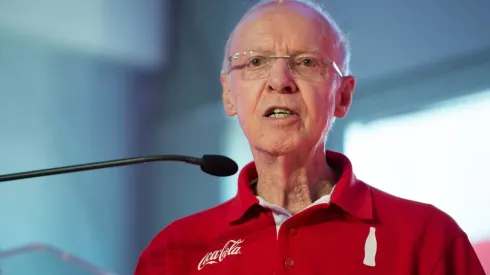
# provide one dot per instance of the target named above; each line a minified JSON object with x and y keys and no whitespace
{"x":293,"y":181}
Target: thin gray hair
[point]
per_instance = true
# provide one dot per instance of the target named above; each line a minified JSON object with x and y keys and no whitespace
{"x":341,"y":47}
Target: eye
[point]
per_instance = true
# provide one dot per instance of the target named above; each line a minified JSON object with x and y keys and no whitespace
{"x":256,"y":61}
{"x":309,"y":62}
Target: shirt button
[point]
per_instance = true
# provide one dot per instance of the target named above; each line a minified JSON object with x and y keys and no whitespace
{"x":293,"y":231}
{"x":289,"y":263}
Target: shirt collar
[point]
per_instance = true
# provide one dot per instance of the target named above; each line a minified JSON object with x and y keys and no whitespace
{"x":351,"y":194}
{"x":325,"y":199}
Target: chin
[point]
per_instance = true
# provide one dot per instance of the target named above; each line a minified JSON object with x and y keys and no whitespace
{"x":282,"y":146}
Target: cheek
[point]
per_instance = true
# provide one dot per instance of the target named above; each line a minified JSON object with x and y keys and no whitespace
{"x":246,"y":96}
{"x":244,"y":105}
{"x":320,"y":108}
{"x":320,"y":105}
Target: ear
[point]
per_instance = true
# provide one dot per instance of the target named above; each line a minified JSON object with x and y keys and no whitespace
{"x":343,"y":96}
{"x":228,"y":102}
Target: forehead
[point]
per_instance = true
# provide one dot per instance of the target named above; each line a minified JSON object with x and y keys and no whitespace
{"x":285,"y":28}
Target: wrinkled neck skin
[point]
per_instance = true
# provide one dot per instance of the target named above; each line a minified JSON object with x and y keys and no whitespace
{"x":293,"y":181}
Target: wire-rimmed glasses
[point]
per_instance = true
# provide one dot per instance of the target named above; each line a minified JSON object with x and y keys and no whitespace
{"x":257,"y":65}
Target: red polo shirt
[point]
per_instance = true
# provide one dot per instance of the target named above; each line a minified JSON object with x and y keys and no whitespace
{"x":358,"y":230}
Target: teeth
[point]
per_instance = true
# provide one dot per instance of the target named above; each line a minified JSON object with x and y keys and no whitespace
{"x":280,"y":115}
{"x":282,"y":111}
{"x":279,"y":112}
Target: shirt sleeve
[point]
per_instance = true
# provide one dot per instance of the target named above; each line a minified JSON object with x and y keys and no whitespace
{"x":459,"y":259}
{"x":154,"y":259}
{"x":151,"y":264}
{"x":143,"y":266}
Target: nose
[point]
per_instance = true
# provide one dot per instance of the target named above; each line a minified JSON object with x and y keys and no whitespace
{"x":280,"y":78}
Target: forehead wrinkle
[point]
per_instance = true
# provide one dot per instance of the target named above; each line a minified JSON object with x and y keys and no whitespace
{"x":334,"y":43}
{"x":258,"y":22}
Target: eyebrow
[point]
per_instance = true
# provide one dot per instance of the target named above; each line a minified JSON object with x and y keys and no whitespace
{"x":289,"y":52}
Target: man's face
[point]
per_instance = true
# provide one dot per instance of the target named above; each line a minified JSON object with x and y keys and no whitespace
{"x":284,"y":29}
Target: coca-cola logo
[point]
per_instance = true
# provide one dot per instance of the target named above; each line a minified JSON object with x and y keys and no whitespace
{"x":232,"y":247}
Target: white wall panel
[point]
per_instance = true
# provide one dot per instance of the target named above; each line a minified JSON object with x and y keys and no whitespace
{"x":128,"y":30}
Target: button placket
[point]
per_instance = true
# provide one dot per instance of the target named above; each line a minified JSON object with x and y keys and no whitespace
{"x":289,"y":263}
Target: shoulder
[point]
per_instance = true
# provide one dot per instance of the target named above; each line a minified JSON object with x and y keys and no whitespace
{"x":185,"y":234}
{"x":391,"y":205}
{"x":423,"y":231}
{"x":193,"y":229}
{"x":415,"y":217}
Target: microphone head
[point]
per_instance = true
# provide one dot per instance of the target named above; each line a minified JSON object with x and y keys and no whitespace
{"x":218,"y":165}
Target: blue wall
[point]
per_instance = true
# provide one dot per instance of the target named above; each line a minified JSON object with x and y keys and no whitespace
{"x":58,"y":108}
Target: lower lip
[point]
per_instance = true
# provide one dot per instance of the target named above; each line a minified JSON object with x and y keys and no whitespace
{"x":283,"y":120}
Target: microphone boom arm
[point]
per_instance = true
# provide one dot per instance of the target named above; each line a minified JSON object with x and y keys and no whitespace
{"x":99,"y":165}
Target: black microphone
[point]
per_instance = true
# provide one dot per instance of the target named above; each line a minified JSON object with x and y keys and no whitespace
{"x":215,"y":165}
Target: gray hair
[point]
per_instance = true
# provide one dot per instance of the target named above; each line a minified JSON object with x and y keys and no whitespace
{"x":342,"y":45}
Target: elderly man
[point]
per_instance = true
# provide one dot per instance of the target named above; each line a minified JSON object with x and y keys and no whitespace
{"x":299,"y":208}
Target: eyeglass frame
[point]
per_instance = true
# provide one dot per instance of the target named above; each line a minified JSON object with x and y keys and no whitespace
{"x":275,"y":57}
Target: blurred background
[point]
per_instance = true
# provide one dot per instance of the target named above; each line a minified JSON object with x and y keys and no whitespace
{"x":92,"y":80}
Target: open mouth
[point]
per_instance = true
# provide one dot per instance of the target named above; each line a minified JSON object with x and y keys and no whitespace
{"x":277,"y":112}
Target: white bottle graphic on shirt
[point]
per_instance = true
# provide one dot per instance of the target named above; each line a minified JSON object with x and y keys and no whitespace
{"x":370,"y":248}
